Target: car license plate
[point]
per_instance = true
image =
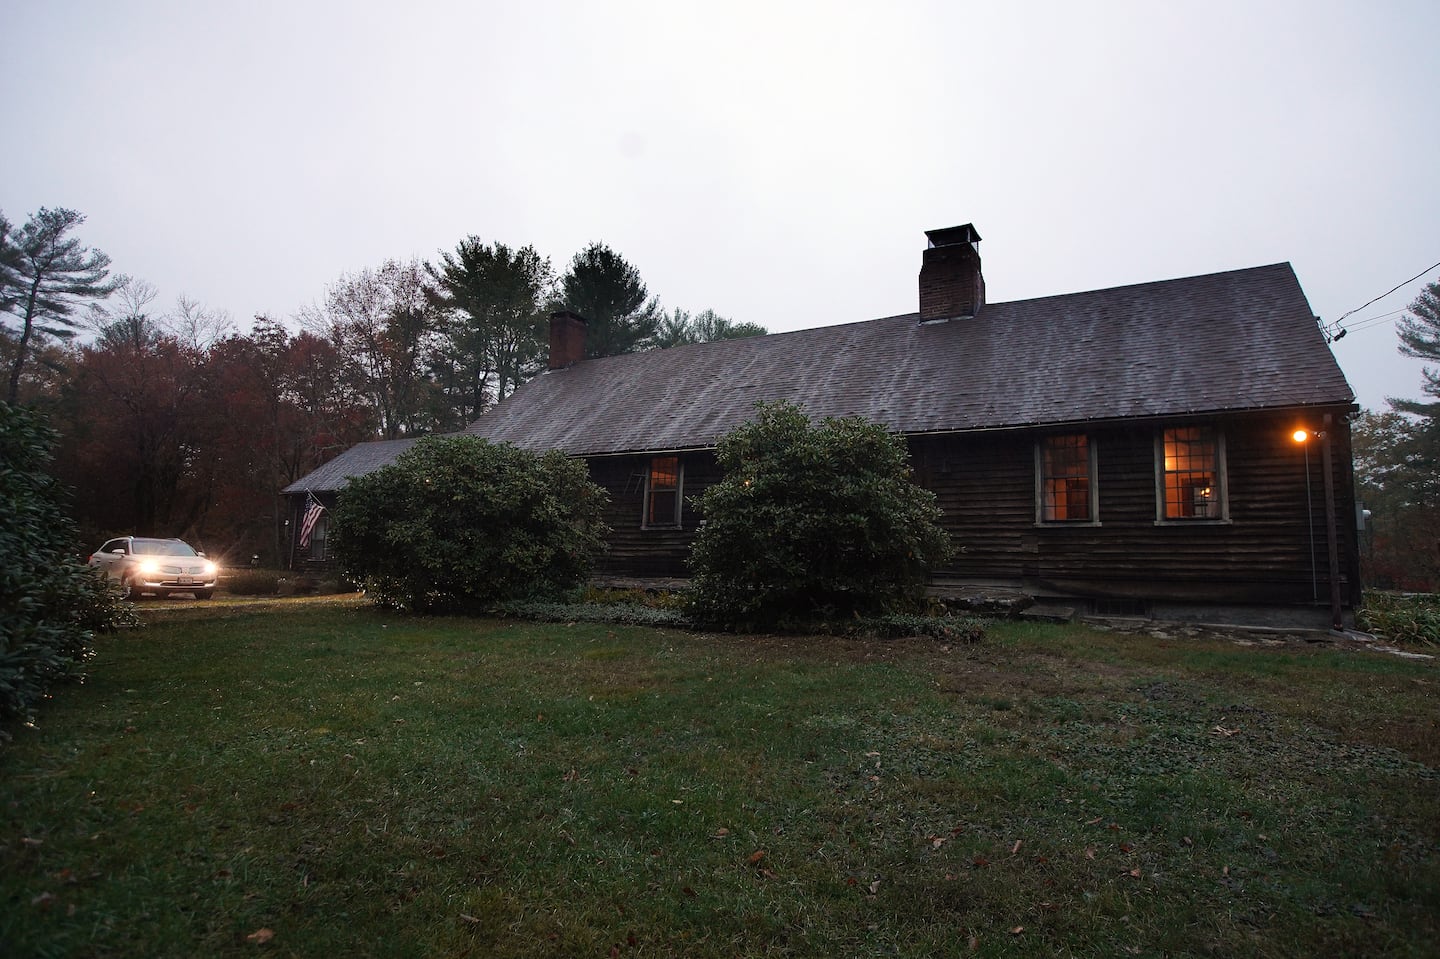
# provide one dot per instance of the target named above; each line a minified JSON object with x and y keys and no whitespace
{"x":186,"y":580}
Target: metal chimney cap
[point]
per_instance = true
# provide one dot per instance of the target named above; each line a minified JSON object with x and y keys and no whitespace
{"x":953,"y":235}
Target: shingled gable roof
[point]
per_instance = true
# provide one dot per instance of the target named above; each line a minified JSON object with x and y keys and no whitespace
{"x":356,"y":461}
{"x":1239,"y":340}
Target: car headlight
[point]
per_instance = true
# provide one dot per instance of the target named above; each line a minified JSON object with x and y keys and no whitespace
{"x":149,"y":567}
{"x":211,"y":570}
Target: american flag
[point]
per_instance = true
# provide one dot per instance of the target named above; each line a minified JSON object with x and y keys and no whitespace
{"x":312,"y":516}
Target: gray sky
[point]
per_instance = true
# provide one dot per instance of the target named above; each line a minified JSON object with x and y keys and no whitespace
{"x":777,"y":162}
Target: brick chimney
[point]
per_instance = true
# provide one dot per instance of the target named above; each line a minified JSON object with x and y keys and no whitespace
{"x":567,"y":339}
{"x":951,"y":284}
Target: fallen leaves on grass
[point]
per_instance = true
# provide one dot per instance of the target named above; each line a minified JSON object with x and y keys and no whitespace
{"x":261,"y":936}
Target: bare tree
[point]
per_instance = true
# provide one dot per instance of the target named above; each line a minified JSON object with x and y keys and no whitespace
{"x":383,"y":322}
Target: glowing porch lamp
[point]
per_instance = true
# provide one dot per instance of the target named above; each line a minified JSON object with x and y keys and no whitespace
{"x":1303,"y":437}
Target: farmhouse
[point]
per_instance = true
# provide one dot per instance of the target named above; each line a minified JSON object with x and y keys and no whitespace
{"x":1132,"y":449}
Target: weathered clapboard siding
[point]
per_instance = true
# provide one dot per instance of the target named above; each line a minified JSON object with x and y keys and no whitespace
{"x":314,"y":557}
{"x":639,"y":552}
{"x":985,"y":485}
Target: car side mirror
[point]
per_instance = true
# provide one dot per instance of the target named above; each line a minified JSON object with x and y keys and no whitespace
{"x":199,"y":552}
{"x":118,"y":552}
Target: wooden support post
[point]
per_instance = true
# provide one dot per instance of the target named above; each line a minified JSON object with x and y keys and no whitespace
{"x":1337,"y":621}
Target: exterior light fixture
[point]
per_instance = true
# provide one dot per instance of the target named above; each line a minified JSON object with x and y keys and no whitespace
{"x":1303,"y":437}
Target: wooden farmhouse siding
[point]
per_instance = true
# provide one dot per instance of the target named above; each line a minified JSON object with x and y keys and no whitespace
{"x":1265,"y":553}
{"x":314,"y":555}
{"x":1129,"y":449}
{"x":636,"y":549}
{"x":325,"y":484}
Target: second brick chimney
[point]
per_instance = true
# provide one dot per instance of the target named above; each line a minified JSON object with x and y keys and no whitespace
{"x":951,"y":284}
{"x":567,"y":339}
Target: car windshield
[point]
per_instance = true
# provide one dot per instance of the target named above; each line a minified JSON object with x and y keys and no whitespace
{"x":162,"y":547}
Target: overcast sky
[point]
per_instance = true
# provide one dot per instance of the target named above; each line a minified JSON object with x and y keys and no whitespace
{"x":776,"y":162}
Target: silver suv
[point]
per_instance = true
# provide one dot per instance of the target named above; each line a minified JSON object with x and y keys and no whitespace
{"x":159,"y":566}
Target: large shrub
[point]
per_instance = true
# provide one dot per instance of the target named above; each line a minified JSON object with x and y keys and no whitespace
{"x":812,"y":521}
{"x":459,"y":523}
{"x":50,"y":604}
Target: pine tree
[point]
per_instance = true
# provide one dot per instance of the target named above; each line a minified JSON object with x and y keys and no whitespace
{"x":44,"y":275}
{"x":605,"y":289}
{"x":1420,"y":337}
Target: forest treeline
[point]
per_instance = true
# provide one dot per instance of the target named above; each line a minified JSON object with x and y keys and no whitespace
{"x":173,"y":422}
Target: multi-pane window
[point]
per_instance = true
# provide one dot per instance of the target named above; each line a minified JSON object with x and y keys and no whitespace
{"x":1065,"y":479}
{"x":318,"y":537}
{"x":662,"y":492}
{"x":1191,"y":482}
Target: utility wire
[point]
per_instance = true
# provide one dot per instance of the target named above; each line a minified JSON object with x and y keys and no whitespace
{"x":1369,"y":322}
{"x":1387,"y":293}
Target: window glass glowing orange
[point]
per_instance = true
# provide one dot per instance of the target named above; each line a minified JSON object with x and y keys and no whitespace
{"x":1065,"y":478}
{"x":1192,"y":469}
{"x":662,"y":492}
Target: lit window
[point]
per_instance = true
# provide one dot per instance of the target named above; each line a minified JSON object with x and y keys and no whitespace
{"x":1066,"y":469}
{"x":662,"y":493}
{"x":1191,"y":479}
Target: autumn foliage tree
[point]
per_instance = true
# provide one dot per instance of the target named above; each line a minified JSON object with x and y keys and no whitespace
{"x":383,"y":322}
{"x":173,"y":423}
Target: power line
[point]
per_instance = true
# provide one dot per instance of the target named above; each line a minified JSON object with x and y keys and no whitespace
{"x":1388,"y":292}
{"x":1335,"y":331}
{"x":1370,"y":322}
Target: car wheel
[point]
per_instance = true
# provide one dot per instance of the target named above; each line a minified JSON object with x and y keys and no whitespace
{"x":204,"y":593}
{"x":127,"y":589}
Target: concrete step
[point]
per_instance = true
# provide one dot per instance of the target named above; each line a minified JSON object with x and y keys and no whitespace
{"x":1048,"y":613}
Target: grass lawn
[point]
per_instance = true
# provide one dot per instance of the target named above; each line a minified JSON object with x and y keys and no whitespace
{"x":314,"y":777}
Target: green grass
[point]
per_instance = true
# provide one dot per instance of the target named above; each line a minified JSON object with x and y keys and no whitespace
{"x":362,"y":784}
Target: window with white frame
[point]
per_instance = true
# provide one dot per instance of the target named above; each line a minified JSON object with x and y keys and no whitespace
{"x":662,"y":493}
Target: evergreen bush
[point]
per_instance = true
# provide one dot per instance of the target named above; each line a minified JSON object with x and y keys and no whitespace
{"x":51,"y":605}
{"x":812,"y":522}
{"x":457,"y":524}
